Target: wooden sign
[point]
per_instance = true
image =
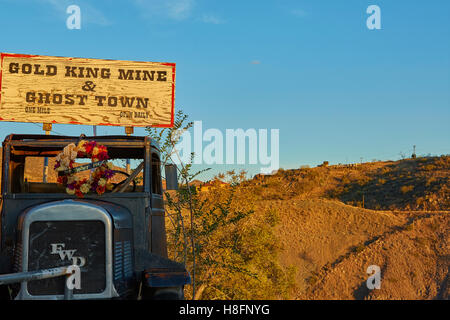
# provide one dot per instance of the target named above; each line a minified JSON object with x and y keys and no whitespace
{"x":86,"y":91}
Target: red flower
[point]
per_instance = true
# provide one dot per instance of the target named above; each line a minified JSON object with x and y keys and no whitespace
{"x":101,"y":190}
{"x":62,"y":179}
{"x":90,"y":146}
{"x":103,"y":155}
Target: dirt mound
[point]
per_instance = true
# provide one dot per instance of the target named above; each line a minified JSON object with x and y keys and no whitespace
{"x":317,"y":233}
{"x":414,"y":262}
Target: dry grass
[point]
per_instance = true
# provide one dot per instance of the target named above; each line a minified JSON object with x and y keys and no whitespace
{"x":411,"y":184}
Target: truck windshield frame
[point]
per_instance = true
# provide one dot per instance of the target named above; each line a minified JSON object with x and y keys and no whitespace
{"x":17,"y":148}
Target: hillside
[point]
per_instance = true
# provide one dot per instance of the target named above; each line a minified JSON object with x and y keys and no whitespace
{"x":331,"y":234}
{"x":315,"y":233}
{"x":414,"y":261}
{"x":332,"y":244}
{"x":411,"y":184}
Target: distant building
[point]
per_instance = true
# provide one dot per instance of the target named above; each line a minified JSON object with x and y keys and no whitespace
{"x":205,"y":187}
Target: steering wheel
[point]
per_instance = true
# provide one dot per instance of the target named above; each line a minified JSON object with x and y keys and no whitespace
{"x":121,"y":182}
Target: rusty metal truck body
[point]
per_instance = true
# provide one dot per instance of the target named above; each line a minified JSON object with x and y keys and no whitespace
{"x":117,"y":239}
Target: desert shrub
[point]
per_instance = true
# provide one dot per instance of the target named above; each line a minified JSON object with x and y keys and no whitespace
{"x":230,"y":251}
{"x":406,"y":189}
{"x":430,"y":167}
{"x":345,"y":180}
{"x":236,"y":249}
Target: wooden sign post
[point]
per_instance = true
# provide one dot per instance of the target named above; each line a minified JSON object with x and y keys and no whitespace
{"x":86,"y":91}
{"x":128,"y":131}
{"x":47,"y":127}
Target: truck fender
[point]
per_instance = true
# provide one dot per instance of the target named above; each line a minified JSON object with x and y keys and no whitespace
{"x":162,"y":272}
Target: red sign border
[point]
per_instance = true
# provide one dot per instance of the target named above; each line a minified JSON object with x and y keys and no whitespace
{"x":18,"y":55}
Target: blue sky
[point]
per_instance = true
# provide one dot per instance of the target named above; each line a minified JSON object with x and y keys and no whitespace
{"x":336,"y":90}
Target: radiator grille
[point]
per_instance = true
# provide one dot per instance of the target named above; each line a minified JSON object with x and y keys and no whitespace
{"x":61,"y":243}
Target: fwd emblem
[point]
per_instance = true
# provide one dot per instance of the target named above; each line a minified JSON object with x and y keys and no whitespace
{"x":58,"y":248}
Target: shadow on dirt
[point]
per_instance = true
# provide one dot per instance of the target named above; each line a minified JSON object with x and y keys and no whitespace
{"x":362,"y":292}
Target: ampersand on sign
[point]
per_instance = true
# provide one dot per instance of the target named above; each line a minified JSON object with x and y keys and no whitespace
{"x":88,"y":86}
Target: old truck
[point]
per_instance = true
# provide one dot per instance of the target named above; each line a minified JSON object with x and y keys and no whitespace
{"x":118,"y":239}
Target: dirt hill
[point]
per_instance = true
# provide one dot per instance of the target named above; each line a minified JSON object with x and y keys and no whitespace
{"x":414,"y":262}
{"x":317,"y":232}
{"x":331,"y":236}
{"x":332,"y":244}
{"x":417,"y":184}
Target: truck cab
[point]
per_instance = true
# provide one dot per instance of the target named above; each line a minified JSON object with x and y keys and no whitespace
{"x":117,"y":239}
